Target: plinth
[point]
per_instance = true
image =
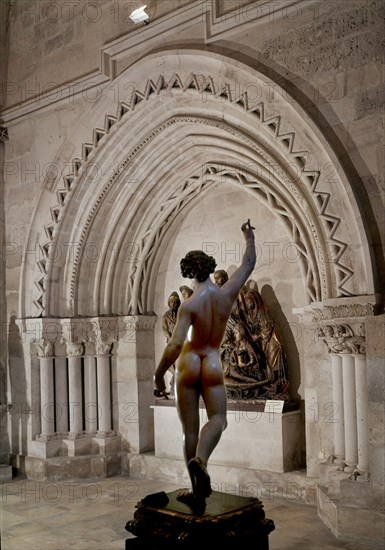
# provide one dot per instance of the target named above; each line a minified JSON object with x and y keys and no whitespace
{"x":162,"y":521}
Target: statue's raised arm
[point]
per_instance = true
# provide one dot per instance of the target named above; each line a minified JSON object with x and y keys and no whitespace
{"x":243,"y":272}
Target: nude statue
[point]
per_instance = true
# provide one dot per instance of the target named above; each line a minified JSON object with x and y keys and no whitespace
{"x":199,"y":372}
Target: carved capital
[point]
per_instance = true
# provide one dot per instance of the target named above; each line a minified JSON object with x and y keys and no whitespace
{"x":103,"y":333}
{"x":133,"y":323}
{"x":102,"y":348}
{"x":43,"y":347}
{"x":75,"y":349}
{"x":341,"y":338}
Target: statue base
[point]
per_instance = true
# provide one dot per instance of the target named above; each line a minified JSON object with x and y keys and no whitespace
{"x":162,"y":521}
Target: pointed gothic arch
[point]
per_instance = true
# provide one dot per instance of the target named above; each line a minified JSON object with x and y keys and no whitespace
{"x":170,"y":137}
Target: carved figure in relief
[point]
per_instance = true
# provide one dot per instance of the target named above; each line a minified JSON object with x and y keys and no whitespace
{"x":341,"y":338}
{"x":44,"y":347}
{"x":265,"y":333}
{"x":247,"y":368}
{"x":168,"y":324}
{"x":251,"y":311}
{"x":199,"y":371}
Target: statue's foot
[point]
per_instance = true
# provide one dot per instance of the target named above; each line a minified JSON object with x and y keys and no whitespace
{"x":200,"y":477}
{"x":185,"y":495}
{"x":197,"y":504}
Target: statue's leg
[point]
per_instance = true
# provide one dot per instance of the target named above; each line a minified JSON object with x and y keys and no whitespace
{"x":215,"y":399}
{"x":187,"y":379}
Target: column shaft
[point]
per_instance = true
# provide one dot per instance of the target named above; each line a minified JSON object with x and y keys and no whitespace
{"x":47,"y":405}
{"x":90,"y":396}
{"x":104,"y":392}
{"x":61,"y":393}
{"x":350,"y":415}
{"x":363,"y":465}
{"x":75,"y":394}
{"x":338,"y":399}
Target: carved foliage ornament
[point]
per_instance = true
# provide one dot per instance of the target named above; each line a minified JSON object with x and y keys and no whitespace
{"x":76,"y":333}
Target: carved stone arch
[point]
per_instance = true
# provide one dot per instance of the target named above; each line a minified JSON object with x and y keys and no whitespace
{"x":194,"y":85}
{"x":172,"y":194}
{"x":144,"y":278}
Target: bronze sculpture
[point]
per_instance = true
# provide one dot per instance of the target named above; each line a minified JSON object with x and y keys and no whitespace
{"x":267,"y":375}
{"x":186,"y":291}
{"x":199,"y":371}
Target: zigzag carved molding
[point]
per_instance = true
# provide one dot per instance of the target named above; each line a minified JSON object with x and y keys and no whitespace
{"x":223,"y":92}
{"x":156,"y":228}
{"x":137,"y":305}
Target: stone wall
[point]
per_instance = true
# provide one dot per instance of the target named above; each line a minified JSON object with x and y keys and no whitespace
{"x":62,"y":41}
{"x":333,"y":53}
{"x":323,"y":58}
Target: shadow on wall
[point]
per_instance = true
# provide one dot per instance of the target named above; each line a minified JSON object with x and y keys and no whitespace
{"x":288,"y":339}
{"x":18,"y":406}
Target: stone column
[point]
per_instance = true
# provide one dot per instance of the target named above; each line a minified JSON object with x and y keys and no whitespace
{"x":339,"y":426}
{"x":90,"y":395}
{"x":75,"y":398}
{"x":104,"y":387}
{"x":340,"y":324}
{"x":47,"y":400}
{"x":363,"y":466}
{"x":23,"y":335}
{"x":135,"y":381}
{"x":350,"y":413}
{"x":61,"y":395}
{"x":105,"y":331}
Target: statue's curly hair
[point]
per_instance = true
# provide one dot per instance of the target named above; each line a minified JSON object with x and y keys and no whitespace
{"x":197,"y":265}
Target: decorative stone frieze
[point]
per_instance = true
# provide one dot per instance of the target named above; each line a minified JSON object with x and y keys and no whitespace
{"x":340,"y":308}
{"x":139,"y":322}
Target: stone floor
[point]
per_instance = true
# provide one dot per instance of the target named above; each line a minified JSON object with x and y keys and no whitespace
{"x":92,"y":515}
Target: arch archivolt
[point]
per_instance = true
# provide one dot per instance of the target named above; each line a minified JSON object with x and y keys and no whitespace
{"x":169,"y":141}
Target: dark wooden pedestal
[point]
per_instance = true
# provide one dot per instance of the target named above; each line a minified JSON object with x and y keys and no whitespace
{"x":161,"y":521}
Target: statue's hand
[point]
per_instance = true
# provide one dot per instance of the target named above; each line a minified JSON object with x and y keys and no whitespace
{"x":159,"y":393}
{"x":160,"y":387}
{"x":247,"y":229}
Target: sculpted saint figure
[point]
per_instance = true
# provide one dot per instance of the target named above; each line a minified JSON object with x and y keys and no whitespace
{"x":252,"y":333}
{"x":168,"y":324}
{"x":265,"y":334}
{"x":199,"y":371}
{"x":186,"y":291}
{"x":169,"y":318}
